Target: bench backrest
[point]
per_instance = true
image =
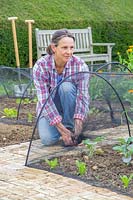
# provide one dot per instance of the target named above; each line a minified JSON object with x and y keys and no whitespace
{"x":83,"y":40}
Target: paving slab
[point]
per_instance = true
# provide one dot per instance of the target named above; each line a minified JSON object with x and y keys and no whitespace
{"x":18,"y":182}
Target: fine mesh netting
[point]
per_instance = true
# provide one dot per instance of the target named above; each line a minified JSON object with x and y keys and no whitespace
{"x":111,"y":105}
{"x":17,"y":95}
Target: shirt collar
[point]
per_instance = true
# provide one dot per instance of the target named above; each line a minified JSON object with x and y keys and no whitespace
{"x":66,"y":66}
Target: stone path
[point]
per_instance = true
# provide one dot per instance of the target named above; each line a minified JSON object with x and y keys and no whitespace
{"x":18,"y":182}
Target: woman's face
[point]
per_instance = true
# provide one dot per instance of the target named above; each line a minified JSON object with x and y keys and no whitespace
{"x":64,"y":50}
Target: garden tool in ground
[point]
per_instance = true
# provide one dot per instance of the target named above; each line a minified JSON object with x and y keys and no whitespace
{"x":29,"y":22}
{"x":12,"y":19}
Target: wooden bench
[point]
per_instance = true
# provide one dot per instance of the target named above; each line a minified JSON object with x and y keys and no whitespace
{"x":84,"y":46}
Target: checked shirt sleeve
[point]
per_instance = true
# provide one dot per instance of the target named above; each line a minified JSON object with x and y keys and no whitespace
{"x":41,"y":82}
{"x":82,"y":101}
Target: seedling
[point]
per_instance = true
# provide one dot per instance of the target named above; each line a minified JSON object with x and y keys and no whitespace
{"x":93,"y":111}
{"x":129,"y":118}
{"x":24,"y":101}
{"x":125,"y":147}
{"x":126,"y":180}
{"x":30,"y":117}
{"x":35,"y":100}
{"x":81,"y":167}
{"x":52,"y":163}
{"x":10,"y":112}
{"x":91,"y":145}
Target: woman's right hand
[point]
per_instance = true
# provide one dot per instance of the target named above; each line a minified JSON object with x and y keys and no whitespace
{"x":66,"y":134}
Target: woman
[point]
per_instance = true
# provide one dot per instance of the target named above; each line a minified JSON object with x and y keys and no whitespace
{"x":66,"y":109}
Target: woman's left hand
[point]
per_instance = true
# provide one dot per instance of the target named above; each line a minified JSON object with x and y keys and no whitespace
{"x":77,"y":129}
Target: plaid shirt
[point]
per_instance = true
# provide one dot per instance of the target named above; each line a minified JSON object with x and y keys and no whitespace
{"x":45,"y":80}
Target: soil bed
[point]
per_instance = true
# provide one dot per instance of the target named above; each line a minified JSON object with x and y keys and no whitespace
{"x":103,"y":169}
{"x":14,"y":131}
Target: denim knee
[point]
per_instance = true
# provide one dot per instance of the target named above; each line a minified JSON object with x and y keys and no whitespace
{"x":67,"y":87}
{"x":48,"y":134}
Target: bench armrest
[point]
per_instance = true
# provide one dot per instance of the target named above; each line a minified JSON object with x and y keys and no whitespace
{"x":108,"y":46}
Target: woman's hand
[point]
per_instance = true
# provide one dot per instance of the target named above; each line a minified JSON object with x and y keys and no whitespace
{"x":77,"y":130}
{"x":66,"y":134}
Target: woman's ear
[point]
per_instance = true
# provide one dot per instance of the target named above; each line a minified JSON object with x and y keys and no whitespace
{"x":53,"y":47}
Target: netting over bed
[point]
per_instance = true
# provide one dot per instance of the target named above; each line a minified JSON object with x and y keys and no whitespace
{"x":111,"y":105}
{"x":17,"y":95}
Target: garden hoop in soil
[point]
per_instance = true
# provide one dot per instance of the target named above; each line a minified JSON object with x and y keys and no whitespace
{"x":88,"y":73}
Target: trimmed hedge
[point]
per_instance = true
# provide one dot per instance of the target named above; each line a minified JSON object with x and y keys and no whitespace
{"x":107,"y":31}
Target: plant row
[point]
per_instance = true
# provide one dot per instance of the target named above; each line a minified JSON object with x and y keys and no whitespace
{"x":124,"y":148}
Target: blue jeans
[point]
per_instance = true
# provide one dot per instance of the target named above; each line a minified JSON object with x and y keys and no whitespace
{"x":65,"y":101}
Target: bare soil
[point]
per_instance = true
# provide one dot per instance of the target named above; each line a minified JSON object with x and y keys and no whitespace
{"x":12,"y":130}
{"x":19,"y":130}
{"x":103,"y":169}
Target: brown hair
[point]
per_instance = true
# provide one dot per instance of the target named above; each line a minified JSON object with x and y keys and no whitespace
{"x":57,"y":36}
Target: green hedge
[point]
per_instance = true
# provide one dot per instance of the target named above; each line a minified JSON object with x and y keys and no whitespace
{"x":106,"y":31}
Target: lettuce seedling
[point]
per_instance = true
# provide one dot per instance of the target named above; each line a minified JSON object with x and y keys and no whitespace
{"x":52,"y":163}
{"x":91,"y":144}
{"x":81,"y":167}
{"x":126,"y":180}
{"x":125,"y":147}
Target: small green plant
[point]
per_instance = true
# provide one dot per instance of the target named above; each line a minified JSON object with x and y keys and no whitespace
{"x":128,"y":117}
{"x":128,"y":96}
{"x":126,"y":180}
{"x":24,"y":101}
{"x":81,"y":167}
{"x":35,"y":100}
{"x":30,"y":117}
{"x":91,"y":144}
{"x":18,"y":100}
{"x":93,"y":111}
{"x":52,"y":163}
{"x":125,"y":147}
{"x":10,"y":112}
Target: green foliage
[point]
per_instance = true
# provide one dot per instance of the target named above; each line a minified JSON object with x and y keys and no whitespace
{"x":26,"y":100}
{"x":128,"y":61}
{"x":97,"y":86}
{"x":100,"y":90}
{"x":10,"y":112}
{"x":111,"y":21}
{"x":2,"y":91}
{"x":34,"y":100}
{"x":52,"y":163}
{"x":125,"y":147}
{"x":91,"y":145}
{"x":94,"y":111}
{"x":128,"y":117}
{"x":128,"y":96}
{"x":126,"y":180}
{"x":81,"y":167}
{"x":30,"y":117}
